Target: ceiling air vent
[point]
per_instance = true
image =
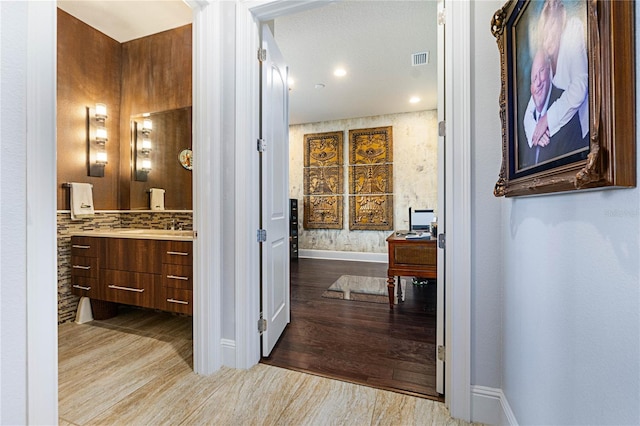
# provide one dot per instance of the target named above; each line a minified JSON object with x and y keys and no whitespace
{"x":420,"y":58}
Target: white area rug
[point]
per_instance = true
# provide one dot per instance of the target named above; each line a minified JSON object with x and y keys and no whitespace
{"x":363,"y":289}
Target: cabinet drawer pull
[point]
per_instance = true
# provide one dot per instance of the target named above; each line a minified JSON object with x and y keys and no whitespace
{"x":81,"y":287}
{"x":81,"y":267}
{"x":182,"y":302}
{"x":177,"y":277}
{"x":117,"y":287}
{"x":78,"y":246}
{"x":178,"y":253}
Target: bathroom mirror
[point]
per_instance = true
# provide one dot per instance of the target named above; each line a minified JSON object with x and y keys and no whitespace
{"x":157,"y":141}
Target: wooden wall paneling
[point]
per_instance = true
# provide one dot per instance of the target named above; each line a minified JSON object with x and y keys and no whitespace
{"x":156,"y":76}
{"x":88,"y":65}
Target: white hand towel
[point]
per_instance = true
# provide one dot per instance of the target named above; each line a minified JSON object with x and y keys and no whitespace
{"x":156,"y":199}
{"x":81,"y":201}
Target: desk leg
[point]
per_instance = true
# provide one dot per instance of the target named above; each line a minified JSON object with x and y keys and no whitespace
{"x":390,"y":286}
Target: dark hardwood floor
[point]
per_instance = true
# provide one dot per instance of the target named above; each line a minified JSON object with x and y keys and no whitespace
{"x":359,"y":342}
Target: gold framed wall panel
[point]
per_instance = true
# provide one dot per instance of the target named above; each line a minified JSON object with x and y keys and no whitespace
{"x":323,"y":212}
{"x":323,"y":183}
{"x":371,"y":179}
{"x":370,"y":212}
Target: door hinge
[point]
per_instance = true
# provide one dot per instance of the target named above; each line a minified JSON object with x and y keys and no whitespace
{"x":442,"y":353}
{"x":262,"y":55}
{"x":442,"y":128}
{"x":442,"y":16}
{"x":262,"y":145}
{"x":262,"y":235}
{"x":442,"y":241}
{"x":262,"y":324}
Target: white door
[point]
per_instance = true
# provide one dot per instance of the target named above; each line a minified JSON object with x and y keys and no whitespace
{"x":274,"y":189}
{"x":441,"y":203}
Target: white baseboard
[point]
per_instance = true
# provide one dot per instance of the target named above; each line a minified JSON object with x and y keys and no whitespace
{"x":345,"y":255}
{"x":490,"y":406}
{"x":228,"y":352}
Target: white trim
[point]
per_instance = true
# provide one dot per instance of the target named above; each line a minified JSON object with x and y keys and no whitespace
{"x":207,"y":205}
{"x":247,"y":193}
{"x":41,"y":303}
{"x":458,"y":209}
{"x":344,"y":255}
{"x":228,"y":352}
{"x":490,"y":406}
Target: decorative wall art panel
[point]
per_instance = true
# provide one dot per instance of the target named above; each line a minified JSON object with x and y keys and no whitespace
{"x":371,"y":212}
{"x":371,"y":179}
{"x":323,"y":181}
{"x":323,"y":211}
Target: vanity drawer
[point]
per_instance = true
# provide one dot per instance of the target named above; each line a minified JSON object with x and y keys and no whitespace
{"x":84,"y":266}
{"x":180,"y":301}
{"x":85,"y":246}
{"x":177,"y":252}
{"x":131,"y":288}
{"x":85,"y":287}
{"x":177,"y":276}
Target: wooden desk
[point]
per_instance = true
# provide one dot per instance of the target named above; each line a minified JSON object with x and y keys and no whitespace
{"x":410,"y":258}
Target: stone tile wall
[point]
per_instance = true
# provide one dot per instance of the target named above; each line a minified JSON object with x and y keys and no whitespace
{"x":67,"y":302}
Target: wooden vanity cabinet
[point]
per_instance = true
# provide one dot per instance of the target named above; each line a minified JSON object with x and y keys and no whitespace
{"x":85,"y":267}
{"x":130,"y":272}
{"x":177,"y":276}
{"x":154,"y":274}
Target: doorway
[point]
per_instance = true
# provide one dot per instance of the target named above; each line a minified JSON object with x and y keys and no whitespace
{"x":418,"y":121}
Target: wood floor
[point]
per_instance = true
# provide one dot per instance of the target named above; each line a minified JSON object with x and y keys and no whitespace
{"x":136,"y":369}
{"x":360,"y":342}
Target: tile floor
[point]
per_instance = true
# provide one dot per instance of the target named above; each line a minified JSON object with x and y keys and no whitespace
{"x":136,"y":369}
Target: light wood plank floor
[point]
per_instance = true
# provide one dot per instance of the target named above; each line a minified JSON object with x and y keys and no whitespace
{"x":136,"y":369}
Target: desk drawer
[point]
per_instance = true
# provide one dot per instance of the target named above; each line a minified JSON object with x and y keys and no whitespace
{"x":177,"y":276}
{"x":85,"y":287}
{"x":180,"y":301}
{"x":131,"y":288}
{"x":177,"y":252}
{"x":84,"y":266}
{"x":85,"y":246}
{"x":416,"y":255}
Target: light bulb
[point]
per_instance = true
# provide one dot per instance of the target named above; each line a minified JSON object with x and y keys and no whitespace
{"x":101,"y":134}
{"x":101,"y":157}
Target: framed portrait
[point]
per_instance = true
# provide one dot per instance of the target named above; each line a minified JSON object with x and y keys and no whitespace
{"x":567,"y":95}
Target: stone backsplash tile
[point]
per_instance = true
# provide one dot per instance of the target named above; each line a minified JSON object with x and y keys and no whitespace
{"x":68,"y":302}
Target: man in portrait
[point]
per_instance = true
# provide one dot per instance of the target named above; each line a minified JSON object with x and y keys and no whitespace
{"x":543,"y":95}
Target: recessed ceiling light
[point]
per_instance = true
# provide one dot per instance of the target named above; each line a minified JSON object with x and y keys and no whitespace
{"x":414,"y":100}
{"x":340,"y":72}
{"x":319,"y":86}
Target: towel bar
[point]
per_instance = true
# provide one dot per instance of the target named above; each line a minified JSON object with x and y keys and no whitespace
{"x":68,"y":185}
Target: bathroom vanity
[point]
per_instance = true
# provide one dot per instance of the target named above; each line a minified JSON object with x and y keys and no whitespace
{"x":147,"y":268}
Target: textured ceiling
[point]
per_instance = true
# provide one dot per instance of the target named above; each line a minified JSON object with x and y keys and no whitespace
{"x":373,"y":40}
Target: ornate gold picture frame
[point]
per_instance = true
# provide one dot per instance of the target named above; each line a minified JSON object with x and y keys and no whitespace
{"x":567,"y":102}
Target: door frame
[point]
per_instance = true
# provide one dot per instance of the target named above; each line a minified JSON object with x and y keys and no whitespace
{"x":208,"y":346}
{"x":249,"y":15}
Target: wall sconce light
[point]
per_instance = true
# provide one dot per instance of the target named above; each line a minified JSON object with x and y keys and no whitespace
{"x":142,"y":148}
{"x":96,"y":140}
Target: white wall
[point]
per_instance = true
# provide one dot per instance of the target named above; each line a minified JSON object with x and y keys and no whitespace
{"x":13,"y":313}
{"x":570,"y":303}
{"x":486,"y":257}
{"x":415,"y":176}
